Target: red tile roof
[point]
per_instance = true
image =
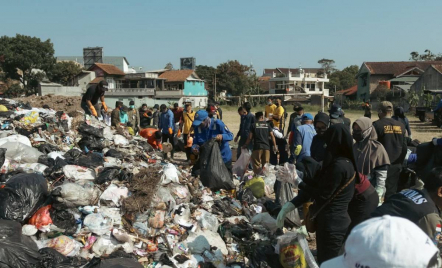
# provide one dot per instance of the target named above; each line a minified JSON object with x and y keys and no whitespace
{"x":108,"y":69}
{"x":438,"y":68}
{"x":178,"y":75}
{"x":396,"y":68}
{"x":349,"y":91}
{"x":96,"y":80}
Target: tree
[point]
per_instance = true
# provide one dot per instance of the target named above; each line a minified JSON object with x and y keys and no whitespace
{"x":344,"y":79}
{"x":21,"y":54}
{"x":328,"y":65}
{"x":428,"y":56}
{"x":14,"y":91}
{"x":206,"y":73}
{"x":233,"y":77}
{"x":413,"y":99}
{"x":380,"y":93}
{"x":64,"y":72}
{"x":169,"y":66}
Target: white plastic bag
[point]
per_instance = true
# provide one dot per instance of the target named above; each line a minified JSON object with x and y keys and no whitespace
{"x":16,"y":138}
{"x":265,"y":220}
{"x":170,"y":174}
{"x":19,"y":152}
{"x":78,"y":173}
{"x":54,"y":155}
{"x":32,"y":168}
{"x":115,"y":194}
{"x":240,"y":166}
{"x":74,"y":195}
{"x":97,"y":223}
{"x":120,"y":140}
{"x":207,"y":220}
{"x":182,"y":215}
{"x":287,"y":173}
{"x":201,"y":240}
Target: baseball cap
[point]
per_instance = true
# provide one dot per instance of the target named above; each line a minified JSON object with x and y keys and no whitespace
{"x":385,"y":242}
{"x":386,"y":106}
{"x":307,"y":116}
{"x":199,"y":117}
{"x":297,"y":107}
{"x":335,"y":111}
{"x":104,"y":85}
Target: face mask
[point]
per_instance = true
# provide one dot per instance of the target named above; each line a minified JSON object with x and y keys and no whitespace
{"x":155,"y":109}
{"x":144,"y":109}
{"x":132,"y":106}
{"x":206,"y":122}
{"x":320,"y":131}
{"x":357,"y":135}
{"x":269,"y":103}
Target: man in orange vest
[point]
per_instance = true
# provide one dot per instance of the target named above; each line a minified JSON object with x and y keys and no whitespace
{"x":153,"y":137}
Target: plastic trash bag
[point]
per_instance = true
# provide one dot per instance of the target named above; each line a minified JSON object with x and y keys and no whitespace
{"x":90,"y":143}
{"x":180,"y":193}
{"x":214,"y":173}
{"x":182,"y":215}
{"x":29,"y":230}
{"x":120,"y":140}
{"x":105,"y":245}
{"x":287,"y":173}
{"x":257,"y":186}
{"x":55,"y":154}
{"x":32,"y":168}
{"x":294,"y":251}
{"x":22,"y":196}
{"x":16,"y":138}
{"x":286,"y":195}
{"x":202,"y":240}
{"x":72,"y":155}
{"x":114,"y":153}
{"x":207,"y":220}
{"x":41,"y":218}
{"x":47,"y":148}
{"x":63,"y":219}
{"x":240,"y":166}
{"x":157,"y":219}
{"x":16,"y":250}
{"x":108,"y":174}
{"x":72,"y":195}
{"x":91,"y":160}
{"x":269,"y":179}
{"x":265,"y":220}
{"x":65,"y":245}
{"x":115,"y":194}
{"x":78,"y":173}
{"x":170,"y":174}
{"x":19,"y":152}
{"x":97,"y":223}
{"x":163,"y":195}
{"x":30,"y":118}
{"x":87,"y":130}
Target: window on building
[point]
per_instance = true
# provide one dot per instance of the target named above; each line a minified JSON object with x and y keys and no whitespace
{"x":180,"y":86}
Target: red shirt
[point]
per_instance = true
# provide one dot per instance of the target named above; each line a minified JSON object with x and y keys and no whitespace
{"x":178,"y":114}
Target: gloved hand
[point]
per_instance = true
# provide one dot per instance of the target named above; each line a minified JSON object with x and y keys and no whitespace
{"x":298,"y":149}
{"x":104,"y":106}
{"x":93,"y":111}
{"x":170,"y":131}
{"x":380,"y":191}
{"x":179,"y":133}
{"x":283,"y":213}
{"x":275,"y":150}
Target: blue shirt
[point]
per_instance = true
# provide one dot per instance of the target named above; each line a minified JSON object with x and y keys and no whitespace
{"x":123,"y":118}
{"x":303,"y":135}
{"x":439,"y":105}
{"x":216,"y":127}
{"x":246,"y":124}
{"x":166,"y":121}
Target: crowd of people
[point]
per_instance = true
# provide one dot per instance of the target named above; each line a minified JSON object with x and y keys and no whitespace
{"x":348,"y":172}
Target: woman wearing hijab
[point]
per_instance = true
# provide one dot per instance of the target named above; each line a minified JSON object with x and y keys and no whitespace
{"x":372,"y":163}
{"x":338,"y":172}
{"x":317,"y":149}
{"x":399,"y":115}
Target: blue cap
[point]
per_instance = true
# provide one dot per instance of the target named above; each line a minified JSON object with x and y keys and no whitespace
{"x":306,"y":117}
{"x":335,"y":111}
{"x":199,"y":117}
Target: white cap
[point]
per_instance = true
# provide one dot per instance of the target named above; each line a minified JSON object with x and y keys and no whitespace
{"x":385,"y":242}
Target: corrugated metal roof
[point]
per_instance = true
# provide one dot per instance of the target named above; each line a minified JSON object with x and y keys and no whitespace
{"x":114,"y":60}
{"x":410,"y":79}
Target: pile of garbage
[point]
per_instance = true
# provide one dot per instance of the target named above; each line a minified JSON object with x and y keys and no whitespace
{"x":74,"y":193}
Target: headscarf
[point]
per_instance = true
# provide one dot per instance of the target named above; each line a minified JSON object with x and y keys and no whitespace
{"x":369,"y":153}
{"x":399,"y":112}
{"x":339,"y":144}
{"x":323,"y":118}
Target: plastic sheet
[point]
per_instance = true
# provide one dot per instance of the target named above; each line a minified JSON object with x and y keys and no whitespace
{"x":74,"y":195}
{"x":19,"y":152}
{"x":240,"y":166}
{"x":115,"y":194}
{"x":170,"y":174}
{"x":120,"y":140}
{"x":97,"y":223}
{"x":78,"y":173}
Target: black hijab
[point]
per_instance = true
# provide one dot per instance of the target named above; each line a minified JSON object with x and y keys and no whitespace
{"x":399,"y":112}
{"x":322,"y":117}
{"x":339,"y":144}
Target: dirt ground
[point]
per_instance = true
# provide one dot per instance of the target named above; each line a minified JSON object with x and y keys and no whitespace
{"x":58,"y":103}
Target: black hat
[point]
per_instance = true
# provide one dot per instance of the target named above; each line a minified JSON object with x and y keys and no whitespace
{"x":156,"y":106}
{"x":297,"y":107}
{"x":335,"y":111}
{"x":131,"y":102}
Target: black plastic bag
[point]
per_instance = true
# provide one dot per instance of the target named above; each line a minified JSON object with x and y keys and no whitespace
{"x":264,"y":256}
{"x":65,"y":220}
{"x":112,"y":173}
{"x":16,"y":250}
{"x":113,"y":263}
{"x":72,"y":155}
{"x":146,"y":146}
{"x":91,"y":160}
{"x":2,"y":156}
{"x":7,"y":176}
{"x":114,"y":153}
{"x":22,"y":196}
{"x":87,"y":130}
{"x":91,"y":143}
{"x":47,"y":148}
{"x":50,"y":258}
{"x":214,"y":173}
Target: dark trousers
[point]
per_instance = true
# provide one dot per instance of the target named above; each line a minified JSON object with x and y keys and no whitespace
{"x":166,"y":137}
{"x":361,"y":206}
{"x":283,"y":155}
{"x":393,"y":173}
{"x":188,"y":150}
{"x":86,"y":108}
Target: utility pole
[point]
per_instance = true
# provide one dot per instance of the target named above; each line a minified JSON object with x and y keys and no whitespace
{"x":214,"y":85}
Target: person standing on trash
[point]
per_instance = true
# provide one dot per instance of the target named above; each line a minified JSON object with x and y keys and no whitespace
{"x":247,"y":120}
{"x":338,"y":174}
{"x":387,"y":242}
{"x":399,"y":115}
{"x":391,"y":134}
{"x":133,"y":117}
{"x":115,"y":115}
{"x":156,"y":115}
{"x":295,"y":118}
{"x":206,"y":128}
{"x":166,"y":125}
{"x":124,"y":119}
{"x":260,"y":133}
{"x":94,"y":93}
{"x":145,"y":116}
{"x":302,"y":138}
{"x":270,"y":108}
{"x":317,"y":149}
{"x":153,"y":137}
{"x":419,"y":206}
{"x":188,"y":118}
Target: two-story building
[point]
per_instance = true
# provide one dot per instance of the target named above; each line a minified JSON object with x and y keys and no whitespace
{"x":182,"y":86}
{"x":299,"y":80}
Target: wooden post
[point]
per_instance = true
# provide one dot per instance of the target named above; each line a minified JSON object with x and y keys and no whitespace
{"x":322,"y":101}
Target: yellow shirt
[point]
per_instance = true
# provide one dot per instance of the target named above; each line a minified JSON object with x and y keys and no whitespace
{"x":188,"y":120}
{"x":279,"y":111}
{"x":269,"y":110}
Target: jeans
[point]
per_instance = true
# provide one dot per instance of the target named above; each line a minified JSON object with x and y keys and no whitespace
{"x":86,"y":108}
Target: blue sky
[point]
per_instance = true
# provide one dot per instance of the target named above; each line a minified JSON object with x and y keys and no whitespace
{"x":268,"y":33}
